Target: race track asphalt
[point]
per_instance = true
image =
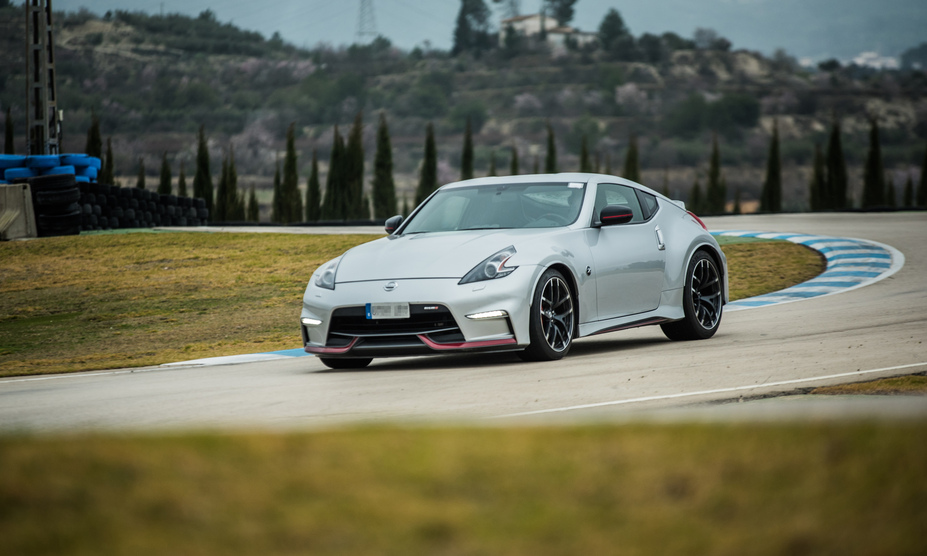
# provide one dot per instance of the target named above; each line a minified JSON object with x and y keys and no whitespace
{"x":870,"y":332}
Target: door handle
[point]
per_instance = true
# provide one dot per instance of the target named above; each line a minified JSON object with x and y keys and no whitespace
{"x":661,"y":245}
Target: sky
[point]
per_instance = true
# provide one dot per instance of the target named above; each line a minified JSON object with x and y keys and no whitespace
{"x":811,"y":29}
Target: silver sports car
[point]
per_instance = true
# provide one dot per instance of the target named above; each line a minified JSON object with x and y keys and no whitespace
{"x":519,"y":263}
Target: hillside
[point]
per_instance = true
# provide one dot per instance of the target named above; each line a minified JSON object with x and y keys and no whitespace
{"x":154,"y":80}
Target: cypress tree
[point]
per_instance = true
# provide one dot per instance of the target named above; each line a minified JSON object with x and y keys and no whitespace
{"x":492,"y":163}
{"x":890,"y":198}
{"x":140,"y":180}
{"x":221,"y":213}
{"x":94,"y":146}
{"x":236,"y":206}
{"x":202,"y":180}
{"x":835,"y":194}
{"x":354,"y":171}
{"x":253,"y":213}
{"x":818,"y":184}
{"x":908,"y":192}
{"x":107,"y":172}
{"x":405,"y":206}
{"x":550,"y":163}
{"x":537,"y":164}
{"x":596,"y":166}
{"x":584,"y":165}
{"x":333,"y":206}
{"x":608,"y":164}
{"x":513,"y":166}
{"x":771,"y":198}
{"x":737,"y":207}
{"x":276,"y":214}
{"x":428,"y":180}
{"x":873,"y":174}
{"x":313,"y":191}
{"x":164,"y":184}
{"x":8,"y":147}
{"x":384,"y":188}
{"x":289,"y":187}
{"x":921,"y":199}
{"x":716,"y":202}
{"x":695,"y":198}
{"x":632,"y":168}
{"x":466,"y":157}
{"x":181,"y":182}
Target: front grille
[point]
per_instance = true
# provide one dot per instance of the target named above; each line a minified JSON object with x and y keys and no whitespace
{"x":351,"y":322}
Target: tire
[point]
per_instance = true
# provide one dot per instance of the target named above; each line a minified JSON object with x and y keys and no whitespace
{"x":335,"y":363}
{"x":59,"y":171}
{"x":52,"y":182}
{"x":57,"y":197}
{"x":57,"y":210}
{"x":702,"y":301}
{"x":552,"y":317}
{"x":43,"y":161}
{"x":59,"y":224}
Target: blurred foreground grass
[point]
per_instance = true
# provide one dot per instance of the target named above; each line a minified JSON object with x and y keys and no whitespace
{"x":131,"y":300}
{"x":635,"y":489}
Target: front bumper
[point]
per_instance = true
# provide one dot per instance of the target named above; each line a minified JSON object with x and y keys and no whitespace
{"x":439,"y":322}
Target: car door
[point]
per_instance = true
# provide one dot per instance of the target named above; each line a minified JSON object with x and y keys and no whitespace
{"x":629,"y":258}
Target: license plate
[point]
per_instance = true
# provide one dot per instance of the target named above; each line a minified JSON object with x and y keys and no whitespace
{"x":387,"y":311}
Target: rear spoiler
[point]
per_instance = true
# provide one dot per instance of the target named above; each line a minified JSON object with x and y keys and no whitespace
{"x":679,"y":204}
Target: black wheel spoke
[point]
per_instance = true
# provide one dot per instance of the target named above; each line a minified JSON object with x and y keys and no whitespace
{"x":706,"y":293}
{"x":556,"y":314}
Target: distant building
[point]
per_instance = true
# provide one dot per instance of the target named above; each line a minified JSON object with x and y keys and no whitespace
{"x":530,"y":26}
{"x":874,"y":60}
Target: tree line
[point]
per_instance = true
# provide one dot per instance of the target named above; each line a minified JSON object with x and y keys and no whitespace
{"x":344,"y":197}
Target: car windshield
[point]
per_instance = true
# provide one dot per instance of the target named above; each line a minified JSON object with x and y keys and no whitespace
{"x":520,"y":205}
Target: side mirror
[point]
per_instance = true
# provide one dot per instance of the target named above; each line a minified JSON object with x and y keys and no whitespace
{"x":615,"y":214}
{"x":393,"y":223}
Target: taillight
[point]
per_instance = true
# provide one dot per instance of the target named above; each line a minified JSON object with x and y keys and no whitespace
{"x":697,"y":219}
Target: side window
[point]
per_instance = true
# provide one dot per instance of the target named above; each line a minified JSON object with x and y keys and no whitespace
{"x":614,"y":194}
{"x":648,"y":204}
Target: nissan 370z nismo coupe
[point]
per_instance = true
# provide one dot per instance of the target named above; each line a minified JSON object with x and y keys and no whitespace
{"x":518,"y":263}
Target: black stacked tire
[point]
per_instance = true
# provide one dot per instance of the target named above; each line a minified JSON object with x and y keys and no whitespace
{"x":56,"y":199}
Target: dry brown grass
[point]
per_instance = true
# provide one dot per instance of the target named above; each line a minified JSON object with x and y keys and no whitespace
{"x":637,"y":490}
{"x":111,"y":301}
{"x":902,"y":385}
{"x":762,"y":267}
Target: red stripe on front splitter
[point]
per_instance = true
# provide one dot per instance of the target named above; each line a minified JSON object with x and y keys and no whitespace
{"x":465,"y":345}
{"x":330,"y":350}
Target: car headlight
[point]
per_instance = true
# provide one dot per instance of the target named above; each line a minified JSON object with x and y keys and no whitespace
{"x":326,"y":275}
{"x":492,"y":268}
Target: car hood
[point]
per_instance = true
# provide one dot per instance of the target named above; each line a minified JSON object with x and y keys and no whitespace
{"x":428,"y":255}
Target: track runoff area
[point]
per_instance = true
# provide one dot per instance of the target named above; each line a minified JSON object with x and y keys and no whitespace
{"x":851,"y":264}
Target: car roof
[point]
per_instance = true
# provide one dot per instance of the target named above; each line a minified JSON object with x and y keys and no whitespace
{"x":584,"y":177}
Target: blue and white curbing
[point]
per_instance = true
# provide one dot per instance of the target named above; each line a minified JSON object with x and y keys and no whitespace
{"x":851,"y":264}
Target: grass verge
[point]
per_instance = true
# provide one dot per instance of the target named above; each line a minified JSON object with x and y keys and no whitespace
{"x":130,"y":300}
{"x":634,"y":489}
{"x":896,"y":386}
{"x":111,"y":301}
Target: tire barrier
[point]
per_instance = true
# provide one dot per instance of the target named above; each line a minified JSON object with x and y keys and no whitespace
{"x":107,"y":207}
{"x":67,"y":198}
